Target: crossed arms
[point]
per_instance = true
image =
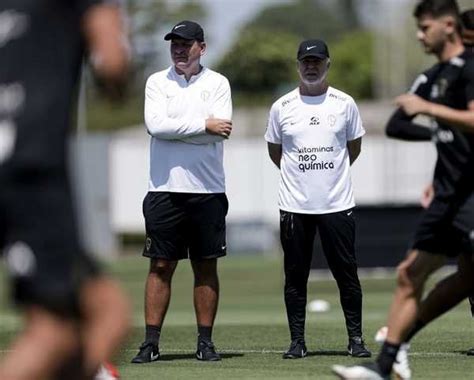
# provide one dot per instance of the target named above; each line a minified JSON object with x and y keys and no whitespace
{"x":185,"y":129}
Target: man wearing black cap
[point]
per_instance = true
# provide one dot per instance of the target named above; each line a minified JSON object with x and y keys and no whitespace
{"x":314,"y":134}
{"x":188,"y":111}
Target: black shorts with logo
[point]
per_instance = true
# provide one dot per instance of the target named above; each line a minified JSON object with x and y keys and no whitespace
{"x":446,"y":229}
{"x":39,"y":239}
{"x":182,"y":225}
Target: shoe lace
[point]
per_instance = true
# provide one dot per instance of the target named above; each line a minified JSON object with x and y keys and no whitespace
{"x":207,"y":344}
{"x":147,"y":344}
{"x":296,"y":343}
{"x":357,"y":340}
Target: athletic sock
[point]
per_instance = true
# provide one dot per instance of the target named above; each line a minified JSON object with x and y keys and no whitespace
{"x":387,"y":357}
{"x":152,"y":334}
{"x":205,"y":333}
{"x":414,"y":330}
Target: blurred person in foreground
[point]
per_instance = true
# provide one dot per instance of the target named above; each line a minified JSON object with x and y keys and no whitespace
{"x":314,"y":135}
{"x":75,"y":316}
{"x":188,"y":111}
{"x":467,"y":19}
{"x":445,"y":93}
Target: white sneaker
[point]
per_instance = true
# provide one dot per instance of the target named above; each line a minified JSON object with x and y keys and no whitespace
{"x":401,"y":367}
{"x":358,"y":372}
{"x":107,"y":372}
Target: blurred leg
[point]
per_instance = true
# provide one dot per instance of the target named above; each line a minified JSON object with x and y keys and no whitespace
{"x":448,"y":292}
{"x":106,"y":319}
{"x":412,"y":275}
{"x":47,"y":342}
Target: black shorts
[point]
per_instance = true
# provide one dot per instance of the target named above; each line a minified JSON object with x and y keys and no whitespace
{"x":440,"y":232}
{"x":182,"y":225}
{"x":39,"y":238}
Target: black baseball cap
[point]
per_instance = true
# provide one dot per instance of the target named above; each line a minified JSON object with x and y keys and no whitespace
{"x":313,"y":48}
{"x":188,"y":30}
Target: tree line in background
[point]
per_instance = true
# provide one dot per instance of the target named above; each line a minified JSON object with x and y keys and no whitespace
{"x":261,"y":64}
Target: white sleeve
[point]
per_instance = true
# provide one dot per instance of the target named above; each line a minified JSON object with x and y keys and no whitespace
{"x":158,"y":123}
{"x":221,"y":108}
{"x":203,"y":139}
{"x":273,"y":132}
{"x":354,"y":128}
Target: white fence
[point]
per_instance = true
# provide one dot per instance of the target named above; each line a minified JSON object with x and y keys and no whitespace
{"x":112,"y":174}
{"x":387,"y":172}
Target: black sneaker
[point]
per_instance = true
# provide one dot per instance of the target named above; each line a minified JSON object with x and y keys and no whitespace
{"x":470,"y":352}
{"x":356,"y":348}
{"x":297,"y":350}
{"x":148,"y":353}
{"x":206,"y":352}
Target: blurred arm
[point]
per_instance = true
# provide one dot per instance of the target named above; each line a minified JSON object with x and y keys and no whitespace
{"x":400,"y":126}
{"x":427,"y":195}
{"x":106,"y":38}
{"x":462,"y":119}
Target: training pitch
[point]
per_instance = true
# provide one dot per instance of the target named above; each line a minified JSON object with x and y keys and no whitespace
{"x":251,"y":330}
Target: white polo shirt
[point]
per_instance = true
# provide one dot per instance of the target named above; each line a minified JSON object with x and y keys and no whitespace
{"x":183,"y":158}
{"x":313,"y":132}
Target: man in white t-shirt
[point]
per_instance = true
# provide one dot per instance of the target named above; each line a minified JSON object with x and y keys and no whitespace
{"x":188,"y":111}
{"x":314,"y":134}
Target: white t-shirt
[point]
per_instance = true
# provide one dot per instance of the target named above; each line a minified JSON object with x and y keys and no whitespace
{"x":183,"y":158}
{"x":315,"y":167}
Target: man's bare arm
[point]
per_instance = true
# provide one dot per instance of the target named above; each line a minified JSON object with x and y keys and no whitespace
{"x":354,"y":148}
{"x":274,"y":150}
{"x":460,"y":119}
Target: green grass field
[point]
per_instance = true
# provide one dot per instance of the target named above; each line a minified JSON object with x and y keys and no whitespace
{"x":251,"y":329}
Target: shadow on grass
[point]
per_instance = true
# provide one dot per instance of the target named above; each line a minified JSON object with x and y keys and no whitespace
{"x":327,"y":353}
{"x":468,"y":352}
{"x":171,"y":357}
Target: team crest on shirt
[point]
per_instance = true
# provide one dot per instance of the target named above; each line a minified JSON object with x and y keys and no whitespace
{"x":444,"y":136}
{"x":148,"y":243}
{"x":20,"y":259}
{"x":314,"y":120}
{"x":205,"y":95}
{"x":332,"y":120}
{"x":438,"y":89}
